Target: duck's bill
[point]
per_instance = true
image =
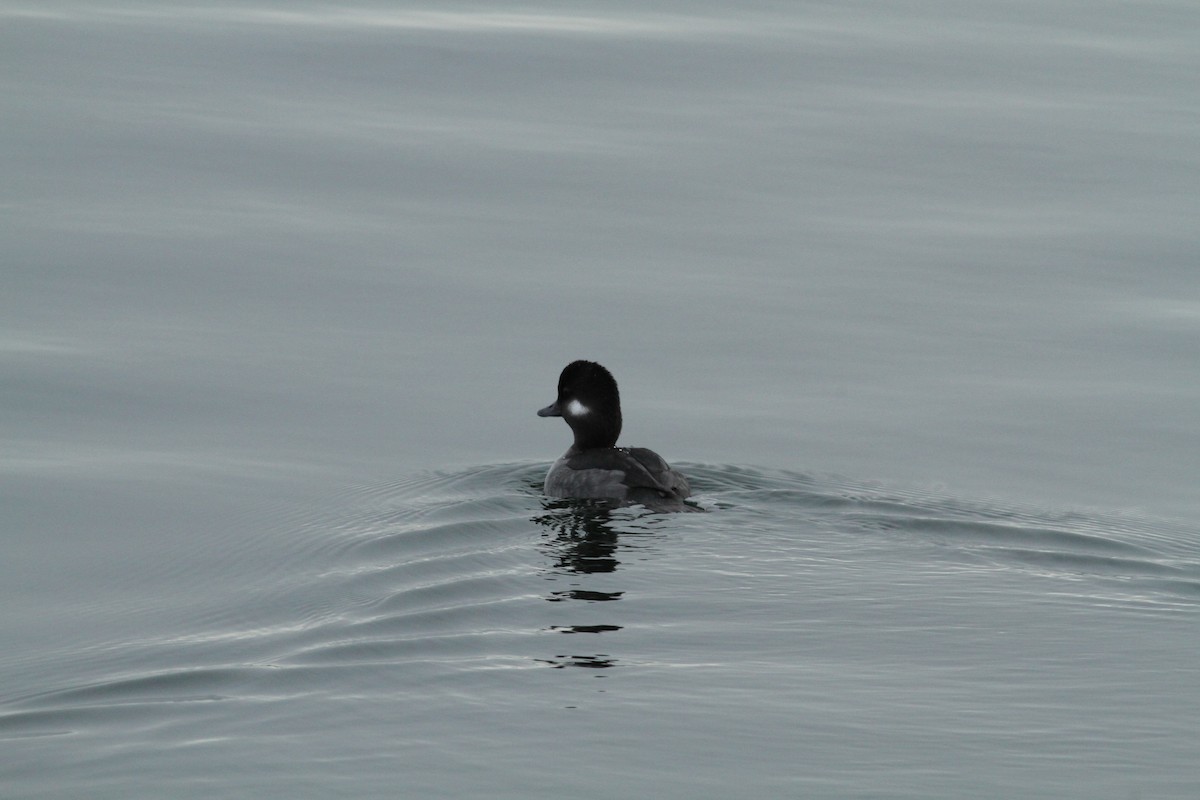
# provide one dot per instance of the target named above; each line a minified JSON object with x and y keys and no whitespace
{"x":551,"y":410}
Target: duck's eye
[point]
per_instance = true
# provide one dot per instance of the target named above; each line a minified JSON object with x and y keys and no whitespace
{"x":577,"y":409}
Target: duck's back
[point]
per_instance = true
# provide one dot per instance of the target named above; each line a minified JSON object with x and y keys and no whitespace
{"x":627,"y":475}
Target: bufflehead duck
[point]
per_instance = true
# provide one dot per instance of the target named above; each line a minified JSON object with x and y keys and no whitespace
{"x":593,"y":466}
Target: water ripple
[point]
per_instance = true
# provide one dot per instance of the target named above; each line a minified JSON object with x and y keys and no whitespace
{"x":1140,"y":560}
{"x":470,"y":571}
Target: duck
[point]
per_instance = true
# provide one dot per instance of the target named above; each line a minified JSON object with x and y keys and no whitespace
{"x":594,"y":468}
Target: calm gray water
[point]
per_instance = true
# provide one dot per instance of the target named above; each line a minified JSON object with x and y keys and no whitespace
{"x":910,"y":291}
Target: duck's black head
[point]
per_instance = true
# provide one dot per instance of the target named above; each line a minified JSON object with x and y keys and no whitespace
{"x":588,"y":400}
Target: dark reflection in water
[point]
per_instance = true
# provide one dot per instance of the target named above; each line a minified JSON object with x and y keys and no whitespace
{"x":580,"y":540}
{"x":584,"y":628}
{"x":583,"y":594}
{"x":598,"y":661}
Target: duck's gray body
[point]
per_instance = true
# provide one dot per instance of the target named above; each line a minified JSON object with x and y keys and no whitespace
{"x":623,"y":475}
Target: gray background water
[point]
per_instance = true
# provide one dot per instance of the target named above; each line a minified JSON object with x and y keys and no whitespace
{"x":265,"y":265}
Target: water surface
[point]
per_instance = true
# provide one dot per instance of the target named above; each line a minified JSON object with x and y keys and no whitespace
{"x":910,"y":292}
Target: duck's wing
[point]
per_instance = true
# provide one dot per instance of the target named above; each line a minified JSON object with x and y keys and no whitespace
{"x":658,"y":474}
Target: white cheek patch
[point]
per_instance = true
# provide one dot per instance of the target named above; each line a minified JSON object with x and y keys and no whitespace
{"x":577,"y":409}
